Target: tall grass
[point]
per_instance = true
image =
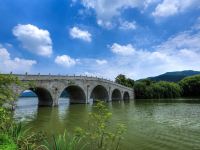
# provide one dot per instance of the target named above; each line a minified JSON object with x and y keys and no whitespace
{"x":25,"y":139}
{"x":66,"y":142}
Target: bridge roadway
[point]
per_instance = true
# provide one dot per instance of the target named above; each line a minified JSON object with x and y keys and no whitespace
{"x":80,"y":89}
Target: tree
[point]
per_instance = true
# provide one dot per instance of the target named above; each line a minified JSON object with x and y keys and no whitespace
{"x":191,"y":86}
{"x":145,"y":89}
{"x":13,"y":135}
{"x":6,"y":92}
{"x":130,"y":82}
{"x":7,"y":96}
{"x":121,"y":79}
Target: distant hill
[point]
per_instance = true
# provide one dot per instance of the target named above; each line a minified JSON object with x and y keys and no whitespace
{"x":174,"y":76}
{"x":28,"y":94}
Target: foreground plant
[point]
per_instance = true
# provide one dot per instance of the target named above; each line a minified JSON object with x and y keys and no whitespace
{"x":66,"y":141}
{"x":13,"y":135}
{"x":26,"y":139}
{"x":100,"y":133}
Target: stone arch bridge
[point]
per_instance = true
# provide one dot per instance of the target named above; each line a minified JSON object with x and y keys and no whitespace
{"x":80,"y":89}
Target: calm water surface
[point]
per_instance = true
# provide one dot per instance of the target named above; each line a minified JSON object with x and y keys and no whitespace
{"x":150,"y":126}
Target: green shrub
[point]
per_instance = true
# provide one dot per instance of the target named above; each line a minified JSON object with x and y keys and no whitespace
{"x":6,"y":143}
{"x":25,"y":138}
{"x":99,"y":133}
{"x":66,"y":141}
{"x":191,"y":86}
{"x":157,"y":90}
{"x":121,"y":79}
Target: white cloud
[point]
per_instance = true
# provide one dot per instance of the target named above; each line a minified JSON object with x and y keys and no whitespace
{"x":124,"y":50}
{"x":65,"y":60}
{"x":126,"y":25}
{"x":4,"y":54}
{"x":34,"y":39}
{"x":106,"y":24}
{"x":197,"y":24}
{"x":107,"y":9}
{"x":171,"y":7}
{"x":101,"y":62}
{"x":91,"y":74}
{"x":16,"y":65}
{"x":77,"y":33}
{"x":148,"y":3}
{"x":179,"y":52}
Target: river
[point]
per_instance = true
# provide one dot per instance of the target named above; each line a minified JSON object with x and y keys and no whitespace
{"x":150,"y":125}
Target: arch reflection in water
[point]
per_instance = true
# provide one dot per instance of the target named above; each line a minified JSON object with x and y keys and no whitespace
{"x":26,"y":106}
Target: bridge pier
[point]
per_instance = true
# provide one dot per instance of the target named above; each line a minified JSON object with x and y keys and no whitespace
{"x":87,"y":95}
{"x":109,"y":94}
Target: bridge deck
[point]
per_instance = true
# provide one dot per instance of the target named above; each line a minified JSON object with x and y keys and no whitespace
{"x":32,"y":77}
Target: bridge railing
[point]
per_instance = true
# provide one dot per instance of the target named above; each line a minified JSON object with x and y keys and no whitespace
{"x":30,"y":77}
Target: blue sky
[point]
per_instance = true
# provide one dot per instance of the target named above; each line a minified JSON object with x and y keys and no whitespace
{"x":99,"y":37}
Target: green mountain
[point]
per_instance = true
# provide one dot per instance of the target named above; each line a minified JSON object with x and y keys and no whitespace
{"x":28,"y":94}
{"x":174,"y":76}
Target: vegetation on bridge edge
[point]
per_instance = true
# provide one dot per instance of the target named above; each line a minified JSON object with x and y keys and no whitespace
{"x":123,"y":80}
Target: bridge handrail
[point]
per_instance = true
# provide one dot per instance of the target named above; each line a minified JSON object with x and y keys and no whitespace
{"x":53,"y":77}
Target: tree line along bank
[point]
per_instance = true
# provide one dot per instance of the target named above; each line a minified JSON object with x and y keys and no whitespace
{"x":148,"y":89}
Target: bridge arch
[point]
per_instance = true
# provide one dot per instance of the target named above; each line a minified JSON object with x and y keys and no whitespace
{"x":99,"y":92}
{"x":75,"y":94}
{"x":43,"y":94}
{"x":126,"y":96}
{"x":116,"y":95}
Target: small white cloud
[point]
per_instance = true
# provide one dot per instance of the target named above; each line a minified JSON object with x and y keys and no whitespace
{"x":16,"y":65}
{"x":124,"y":50}
{"x":148,"y":3}
{"x":77,"y":33}
{"x":65,"y":60}
{"x":126,"y":25}
{"x":167,"y":8}
{"x":93,"y":74}
{"x":4,"y":55}
{"x":105,"y":23}
{"x":35,"y":40}
{"x":101,"y":62}
{"x":172,"y":7}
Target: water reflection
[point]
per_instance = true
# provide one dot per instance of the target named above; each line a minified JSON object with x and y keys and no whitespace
{"x":26,"y":108}
{"x":151,"y":126}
